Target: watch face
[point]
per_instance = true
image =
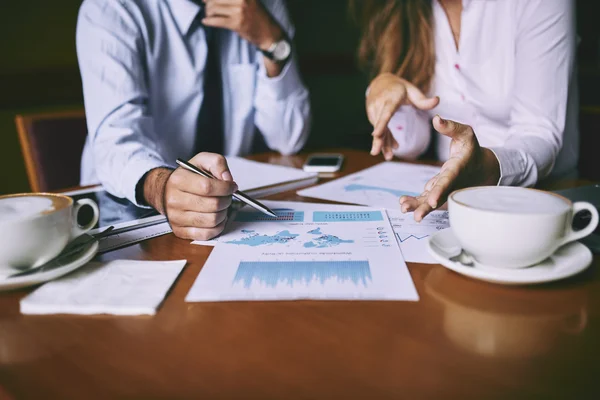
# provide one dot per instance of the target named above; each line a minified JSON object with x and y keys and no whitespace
{"x":282,"y":50}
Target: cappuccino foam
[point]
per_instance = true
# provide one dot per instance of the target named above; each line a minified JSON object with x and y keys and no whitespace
{"x":23,"y":207}
{"x":512,"y":200}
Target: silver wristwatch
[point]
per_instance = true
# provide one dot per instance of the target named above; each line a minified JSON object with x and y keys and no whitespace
{"x":279,"y":51}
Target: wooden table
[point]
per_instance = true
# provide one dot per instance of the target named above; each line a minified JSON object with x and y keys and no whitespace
{"x":463,"y":339}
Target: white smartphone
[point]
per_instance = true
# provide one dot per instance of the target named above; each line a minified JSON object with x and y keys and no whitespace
{"x":323,"y":163}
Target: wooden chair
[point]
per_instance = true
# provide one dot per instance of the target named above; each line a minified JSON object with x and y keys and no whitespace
{"x":52,"y":144}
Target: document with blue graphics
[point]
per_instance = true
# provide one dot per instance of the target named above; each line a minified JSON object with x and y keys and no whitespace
{"x":378,"y":186}
{"x":310,"y":251}
{"x":413,"y":236}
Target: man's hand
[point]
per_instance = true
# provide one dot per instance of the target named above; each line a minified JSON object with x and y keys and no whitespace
{"x":250,"y":20}
{"x":196,"y":207}
{"x":468,"y":165}
{"x":387,"y":93}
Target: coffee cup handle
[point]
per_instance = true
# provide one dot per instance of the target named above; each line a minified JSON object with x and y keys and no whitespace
{"x":572,"y":235}
{"x":80,"y":230}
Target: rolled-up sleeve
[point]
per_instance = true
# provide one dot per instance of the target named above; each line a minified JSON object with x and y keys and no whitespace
{"x":120,"y":126}
{"x":282,"y":105}
{"x":544,"y":56}
{"x":412,"y":130}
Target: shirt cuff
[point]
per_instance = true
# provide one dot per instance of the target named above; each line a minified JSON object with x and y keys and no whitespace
{"x":512,"y":165}
{"x":134,"y":171}
{"x":410,"y":131}
{"x":281,"y":86}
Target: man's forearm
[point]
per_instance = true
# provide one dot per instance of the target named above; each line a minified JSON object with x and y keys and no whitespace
{"x":154,"y":185}
{"x":275,"y":34}
{"x":273,"y":69}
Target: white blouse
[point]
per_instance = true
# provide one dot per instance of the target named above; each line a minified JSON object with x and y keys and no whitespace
{"x":512,"y":80}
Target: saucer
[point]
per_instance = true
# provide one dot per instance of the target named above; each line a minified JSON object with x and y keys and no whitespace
{"x":567,"y":261}
{"x":45,"y":276}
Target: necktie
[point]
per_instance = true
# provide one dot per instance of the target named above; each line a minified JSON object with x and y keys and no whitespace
{"x":209,"y":132}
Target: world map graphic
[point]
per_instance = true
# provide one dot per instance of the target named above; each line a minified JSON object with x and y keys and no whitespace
{"x":320,"y":240}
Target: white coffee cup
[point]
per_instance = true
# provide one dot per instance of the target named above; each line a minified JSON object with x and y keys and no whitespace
{"x":514,"y":227}
{"x":36,"y":227}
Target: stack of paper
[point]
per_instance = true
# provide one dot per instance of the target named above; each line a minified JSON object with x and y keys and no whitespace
{"x":118,"y":287}
{"x":260,"y":180}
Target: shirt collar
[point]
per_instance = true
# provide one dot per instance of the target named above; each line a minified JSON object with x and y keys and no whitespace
{"x":184,"y":12}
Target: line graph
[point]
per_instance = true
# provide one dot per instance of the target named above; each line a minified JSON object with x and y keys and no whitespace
{"x":404,"y":238}
{"x":273,"y":273}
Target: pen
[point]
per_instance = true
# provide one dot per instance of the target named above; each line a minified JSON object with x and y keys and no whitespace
{"x":241,"y":196}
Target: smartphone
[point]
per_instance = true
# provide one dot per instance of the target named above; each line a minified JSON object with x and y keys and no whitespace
{"x":323,"y":163}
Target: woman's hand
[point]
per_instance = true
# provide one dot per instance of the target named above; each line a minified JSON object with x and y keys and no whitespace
{"x":386,"y":94}
{"x":468,"y":165}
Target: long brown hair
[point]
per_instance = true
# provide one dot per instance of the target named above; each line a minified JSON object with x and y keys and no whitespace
{"x":397,"y":37}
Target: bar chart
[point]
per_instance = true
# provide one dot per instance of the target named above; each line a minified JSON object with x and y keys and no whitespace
{"x":291,"y":273}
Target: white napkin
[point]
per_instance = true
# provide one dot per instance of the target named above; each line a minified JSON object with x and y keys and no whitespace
{"x":121,"y":287}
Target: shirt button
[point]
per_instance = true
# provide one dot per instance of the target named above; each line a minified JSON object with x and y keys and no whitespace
{"x":457,"y":67}
{"x":462,"y":97}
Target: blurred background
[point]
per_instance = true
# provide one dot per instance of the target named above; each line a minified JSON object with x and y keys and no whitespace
{"x":39,"y":72}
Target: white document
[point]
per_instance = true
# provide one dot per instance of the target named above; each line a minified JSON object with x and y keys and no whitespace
{"x":276,"y":206}
{"x":120,"y":287}
{"x":310,"y":251}
{"x":378,"y":186}
{"x":413,"y":236}
{"x":250,"y":175}
{"x":123,"y":239}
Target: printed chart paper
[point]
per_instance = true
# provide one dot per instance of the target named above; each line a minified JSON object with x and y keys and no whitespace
{"x":309,"y":251}
{"x":378,"y":186}
{"x":413,"y":236}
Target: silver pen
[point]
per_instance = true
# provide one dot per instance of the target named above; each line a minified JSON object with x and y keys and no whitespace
{"x":241,"y":196}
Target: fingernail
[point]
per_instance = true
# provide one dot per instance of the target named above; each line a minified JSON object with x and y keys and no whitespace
{"x":227,"y":176}
{"x":433,"y":204}
{"x":442,"y":120}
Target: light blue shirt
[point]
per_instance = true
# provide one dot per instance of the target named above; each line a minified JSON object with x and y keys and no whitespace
{"x":142,"y":66}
